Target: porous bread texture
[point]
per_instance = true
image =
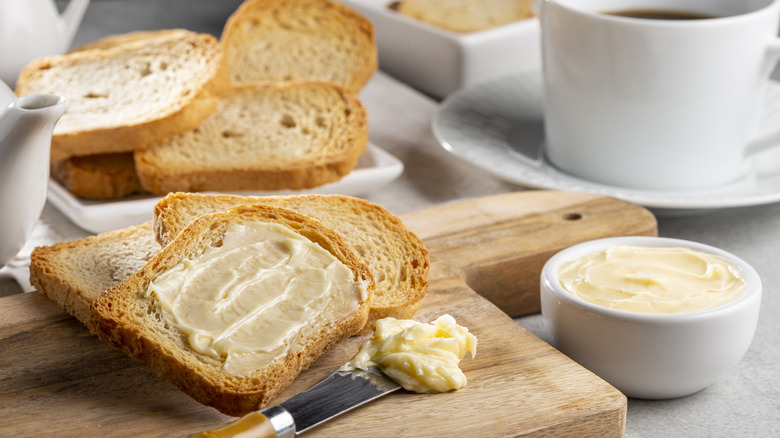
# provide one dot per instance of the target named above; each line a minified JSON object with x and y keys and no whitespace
{"x":74,"y":274}
{"x":297,"y":40}
{"x":263,"y":136}
{"x":466,"y":15}
{"x":100,"y":176}
{"x":396,"y":257}
{"x":131,"y":95}
{"x":127,"y":319}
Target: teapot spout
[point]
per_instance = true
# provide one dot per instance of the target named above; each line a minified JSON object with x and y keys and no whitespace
{"x":30,"y":118}
{"x":28,"y":122}
{"x":43,"y":105}
{"x":26,"y":126}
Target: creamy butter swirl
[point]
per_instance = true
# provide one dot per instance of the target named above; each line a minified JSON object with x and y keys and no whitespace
{"x":659,"y":280}
{"x":249,"y":300}
{"x":420,"y":357}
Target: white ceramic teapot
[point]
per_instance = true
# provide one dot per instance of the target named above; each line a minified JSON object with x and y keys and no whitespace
{"x":31,"y":29}
{"x":26,"y":125}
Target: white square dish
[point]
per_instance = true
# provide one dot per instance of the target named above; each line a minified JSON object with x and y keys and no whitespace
{"x":375,"y":169}
{"x":439,"y":62}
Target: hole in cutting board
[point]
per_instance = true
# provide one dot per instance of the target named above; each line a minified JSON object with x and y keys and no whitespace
{"x":572,"y":216}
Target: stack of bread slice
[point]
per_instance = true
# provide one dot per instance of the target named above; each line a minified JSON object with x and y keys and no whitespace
{"x":115,"y":140}
{"x":101,"y":280}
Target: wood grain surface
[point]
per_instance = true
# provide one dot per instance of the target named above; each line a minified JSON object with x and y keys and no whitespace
{"x":56,"y":379}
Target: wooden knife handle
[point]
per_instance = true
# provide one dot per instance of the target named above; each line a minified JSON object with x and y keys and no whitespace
{"x":273,"y":422}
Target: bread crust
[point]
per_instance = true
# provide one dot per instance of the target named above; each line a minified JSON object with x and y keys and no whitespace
{"x":396,"y":257}
{"x":125,"y":318}
{"x":324,"y":41}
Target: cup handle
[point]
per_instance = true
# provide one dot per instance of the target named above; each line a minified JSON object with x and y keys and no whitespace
{"x":71,"y":18}
{"x":771,"y":139}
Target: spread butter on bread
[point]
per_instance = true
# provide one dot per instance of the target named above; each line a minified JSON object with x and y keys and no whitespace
{"x":131,"y":95}
{"x":396,"y":257}
{"x":263,"y":136}
{"x":238,"y":304}
{"x":299,"y":40}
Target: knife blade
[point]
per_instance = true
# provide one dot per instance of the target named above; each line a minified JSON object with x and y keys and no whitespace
{"x":340,"y":392}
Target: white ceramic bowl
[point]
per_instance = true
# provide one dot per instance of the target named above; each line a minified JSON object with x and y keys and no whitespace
{"x":649,"y":356}
{"x":437,"y":61}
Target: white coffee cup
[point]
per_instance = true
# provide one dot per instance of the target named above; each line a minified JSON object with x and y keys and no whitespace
{"x":656,"y":104}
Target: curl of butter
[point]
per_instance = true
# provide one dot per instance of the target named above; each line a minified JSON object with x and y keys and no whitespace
{"x":420,"y":357}
{"x":659,"y":280}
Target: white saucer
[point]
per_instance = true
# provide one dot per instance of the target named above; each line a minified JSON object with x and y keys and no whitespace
{"x":375,"y":169}
{"x":498,"y":126}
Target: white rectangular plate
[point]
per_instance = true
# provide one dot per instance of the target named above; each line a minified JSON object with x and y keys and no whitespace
{"x":375,"y":169}
{"x":438,"y":61}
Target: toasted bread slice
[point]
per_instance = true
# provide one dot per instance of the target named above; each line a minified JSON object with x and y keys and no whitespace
{"x":131,"y":318}
{"x":299,"y":40}
{"x":262,"y":137}
{"x":74,"y":274}
{"x":466,"y":15}
{"x":132,"y":95}
{"x":396,"y":257}
{"x":101,"y":176}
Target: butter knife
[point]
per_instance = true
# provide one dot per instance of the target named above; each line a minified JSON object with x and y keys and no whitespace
{"x":338,"y":393}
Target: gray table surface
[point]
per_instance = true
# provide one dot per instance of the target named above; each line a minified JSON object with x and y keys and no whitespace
{"x":745,"y":402}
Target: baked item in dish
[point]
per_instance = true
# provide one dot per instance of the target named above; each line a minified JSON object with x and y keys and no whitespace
{"x":466,"y":15}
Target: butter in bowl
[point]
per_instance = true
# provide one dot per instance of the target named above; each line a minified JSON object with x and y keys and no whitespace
{"x":439,"y":53}
{"x":657,"y":318}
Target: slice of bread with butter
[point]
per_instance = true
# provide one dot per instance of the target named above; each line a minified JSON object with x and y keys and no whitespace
{"x":132,"y":95}
{"x":396,"y":257}
{"x":238,"y":304}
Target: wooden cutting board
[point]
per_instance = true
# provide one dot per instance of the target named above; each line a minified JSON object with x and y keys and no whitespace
{"x":57,"y":379}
